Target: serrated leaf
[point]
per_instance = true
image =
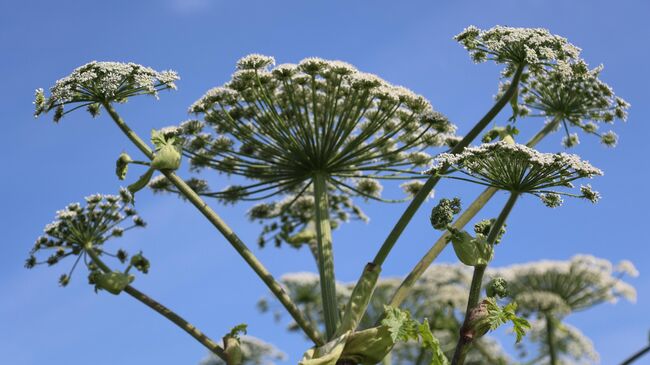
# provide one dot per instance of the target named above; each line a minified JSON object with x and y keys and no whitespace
{"x":431,"y":342}
{"x":498,"y":316}
{"x":400,"y":324}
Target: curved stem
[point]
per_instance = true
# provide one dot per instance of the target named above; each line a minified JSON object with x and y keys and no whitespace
{"x":462,"y":347}
{"x":225,"y":230}
{"x":161,"y":309}
{"x":468,"y":214}
{"x":421,"y":196}
{"x":550,"y":338}
{"x":636,"y":356}
{"x":325,"y":255}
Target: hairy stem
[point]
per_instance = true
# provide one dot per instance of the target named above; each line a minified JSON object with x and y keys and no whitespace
{"x":325,"y":255}
{"x":550,"y":338}
{"x":225,"y":230}
{"x":465,"y":340}
{"x":164,"y":311}
{"x":405,"y":287}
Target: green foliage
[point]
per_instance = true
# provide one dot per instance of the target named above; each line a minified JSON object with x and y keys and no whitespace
{"x":400,"y":324}
{"x":238,"y":330}
{"x":404,"y":328}
{"x":431,"y":342}
{"x":498,"y":316}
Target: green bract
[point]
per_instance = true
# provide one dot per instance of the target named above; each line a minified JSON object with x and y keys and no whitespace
{"x":471,"y":251}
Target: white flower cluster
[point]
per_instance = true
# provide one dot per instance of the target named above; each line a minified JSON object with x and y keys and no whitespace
{"x":98,"y":82}
{"x":519,"y":169}
{"x":535,"y":47}
{"x":281,"y":124}
{"x":278,"y":126}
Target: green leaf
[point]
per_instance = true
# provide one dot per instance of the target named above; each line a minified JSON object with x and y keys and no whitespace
{"x":431,"y":342}
{"x":400,"y":324}
{"x":498,"y":316}
{"x":238,"y":330}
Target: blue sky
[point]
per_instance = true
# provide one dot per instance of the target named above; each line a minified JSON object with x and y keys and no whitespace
{"x":194,"y":271}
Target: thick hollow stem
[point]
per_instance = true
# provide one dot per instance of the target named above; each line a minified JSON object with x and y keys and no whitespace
{"x":462,"y":347}
{"x":225,"y":230}
{"x":421,"y":196}
{"x":164,"y":311}
{"x":325,"y":255}
{"x":550,"y":338}
{"x":468,"y":214}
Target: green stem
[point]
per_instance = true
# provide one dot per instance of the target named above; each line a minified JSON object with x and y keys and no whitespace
{"x":405,"y":287}
{"x":422,"y":195}
{"x":462,"y":347}
{"x":164,"y":311}
{"x":325,"y":255}
{"x":550,"y":338}
{"x":225,"y":230}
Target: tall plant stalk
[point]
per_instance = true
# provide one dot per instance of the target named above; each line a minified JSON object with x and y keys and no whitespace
{"x":550,"y":338}
{"x":225,"y":230}
{"x":325,"y":255}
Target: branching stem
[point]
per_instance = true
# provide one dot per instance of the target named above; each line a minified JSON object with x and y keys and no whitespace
{"x":462,"y":347}
{"x":225,"y":230}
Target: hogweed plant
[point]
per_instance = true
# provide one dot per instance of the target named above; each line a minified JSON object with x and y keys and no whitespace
{"x":307,"y":142}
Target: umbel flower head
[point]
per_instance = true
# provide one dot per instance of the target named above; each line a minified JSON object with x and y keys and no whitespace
{"x":532,"y":47}
{"x":519,"y":169}
{"x":562,"y":287}
{"x":280,"y":126}
{"x":102,"y":82}
{"x":82,"y":231}
{"x":575,"y":95}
